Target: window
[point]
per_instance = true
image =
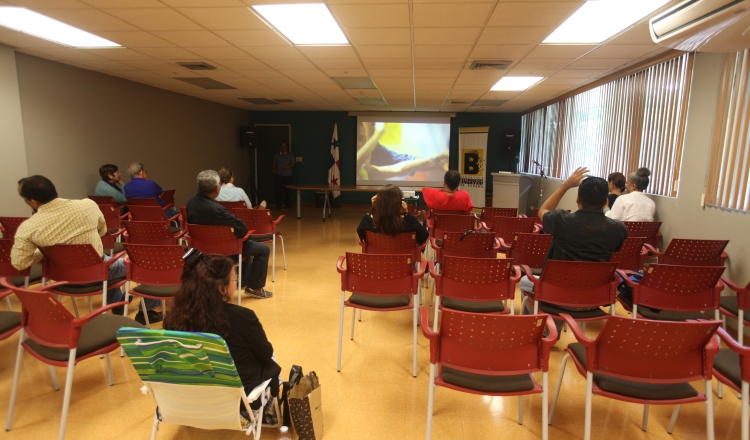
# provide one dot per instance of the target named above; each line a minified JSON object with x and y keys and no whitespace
{"x":729,"y":169}
{"x":634,"y":121}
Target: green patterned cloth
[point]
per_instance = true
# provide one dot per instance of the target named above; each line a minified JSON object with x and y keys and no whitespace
{"x":175,"y":357}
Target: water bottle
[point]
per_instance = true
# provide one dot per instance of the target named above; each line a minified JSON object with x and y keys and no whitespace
{"x":284,"y":433}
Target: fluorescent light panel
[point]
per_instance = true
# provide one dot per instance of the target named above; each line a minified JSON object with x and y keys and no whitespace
{"x":304,"y":24}
{"x":38,"y":25}
{"x":598,"y":20}
{"x":515,"y":83}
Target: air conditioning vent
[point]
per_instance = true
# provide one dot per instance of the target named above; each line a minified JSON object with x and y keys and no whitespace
{"x":259,"y":101}
{"x":459,"y":101}
{"x":283,"y":100}
{"x":193,"y":65}
{"x":490,"y":64}
{"x":489,"y":102}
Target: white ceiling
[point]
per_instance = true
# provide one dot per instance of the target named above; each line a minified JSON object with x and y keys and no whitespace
{"x":417,"y":52}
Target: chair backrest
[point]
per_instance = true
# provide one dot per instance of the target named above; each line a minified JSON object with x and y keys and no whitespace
{"x":679,"y":288}
{"x":259,"y":220}
{"x":647,"y":230}
{"x":177,"y":364}
{"x":629,"y":256}
{"x":577,"y":283}
{"x":451,"y":223}
{"x":232,"y":205}
{"x":184,"y":222}
{"x":654,"y":351}
{"x":111,"y":215}
{"x":489,"y":212}
{"x":149,"y":232}
{"x":74,"y":263}
{"x":155,"y":265}
{"x":507,"y":227}
{"x":44,"y":318}
{"x":431,"y":212}
{"x":214,"y":239}
{"x":530,"y":249}
{"x":9,"y":226}
{"x":403,"y":243}
{"x":476,"y":244}
{"x":142,"y":213}
{"x":379,"y":275}
{"x":476,"y":279}
{"x":6,"y":268}
{"x":688,"y":252}
{"x":150,"y":201}
{"x":104,"y":200}
{"x":492,"y":345}
{"x":168,"y":196}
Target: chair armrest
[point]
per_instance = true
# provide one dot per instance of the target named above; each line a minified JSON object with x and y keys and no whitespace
{"x":724,"y":257}
{"x":652,"y":249}
{"x":175,"y":217}
{"x":420,"y":273}
{"x":420,"y":247}
{"x":496,"y":246}
{"x":125,"y":216}
{"x":247,"y":236}
{"x":80,"y":322}
{"x":483,"y":225}
{"x":529,"y":275}
{"x":433,"y":242}
{"x":114,"y":258}
{"x":733,"y":286}
{"x":424,"y":319}
{"x":167,"y":206}
{"x":433,"y":271}
{"x":644,"y":250}
{"x":537,"y":229}
{"x":278,"y":219}
{"x":580,"y":336}
{"x":118,"y":233}
{"x":340,"y":265}
{"x":502,"y":244}
{"x":516,"y":274}
{"x":732,"y":344}
{"x":549,"y":341}
{"x":624,"y":276}
{"x":41,"y":288}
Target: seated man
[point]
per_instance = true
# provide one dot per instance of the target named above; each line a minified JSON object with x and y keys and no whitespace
{"x":111,"y":184}
{"x":450,"y":197}
{"x":583,"y":235}
{"x":141,"y":188}
{"x":62,"y":221}
{"x":203,"y":210}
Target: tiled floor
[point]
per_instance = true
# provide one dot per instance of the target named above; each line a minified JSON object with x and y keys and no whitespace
{"x":373,"y":397}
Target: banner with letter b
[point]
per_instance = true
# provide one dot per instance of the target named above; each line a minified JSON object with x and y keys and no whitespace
{"x":472,"y":162}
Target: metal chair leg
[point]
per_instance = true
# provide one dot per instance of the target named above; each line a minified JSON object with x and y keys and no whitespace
{"x":431,"y":400}
{"x":283,"y":252}
{"x":545,"y":406}
{"x":673,"y":420}
{"x":414,"y":340}
{"x":709,"y":411}
{"x":109,"y":370}
{"x":16,"y":374}
{"x":53,"y":375}
{"x":520,"y":410}
{"x":239,"y":281}
{"x":589,"y":395}
{"x":644,"y":423}
{"x":68,"y":390}
{"x":354,"y":313}
{"x":273,"y":260}
{"x":559,"y":383}
{"x":341,"y":330}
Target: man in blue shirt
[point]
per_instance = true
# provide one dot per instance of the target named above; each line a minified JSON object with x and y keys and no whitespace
{"x":283,"y":162}
{"x":141,"y":188}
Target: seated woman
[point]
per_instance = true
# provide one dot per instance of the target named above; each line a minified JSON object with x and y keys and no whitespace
{"x":229,"y":192}
{"x":111,"y":184}
{"x":202,"y":305}
{"x":634,"y":206}
{"x":389,"y":216}
{"x":616,"y":183}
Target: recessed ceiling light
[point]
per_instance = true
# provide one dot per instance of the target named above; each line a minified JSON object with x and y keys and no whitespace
{"x":598,"y":20}
{"x":304,"y":24}
{"x":515,"y":83}
{"x":38,"y":25}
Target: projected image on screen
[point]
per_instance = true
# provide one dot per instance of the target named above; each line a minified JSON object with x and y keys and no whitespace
{"x":413,"y":154}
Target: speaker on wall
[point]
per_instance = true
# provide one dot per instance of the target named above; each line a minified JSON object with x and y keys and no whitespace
{"x":247,"y":137}
{"x":510,"y":140}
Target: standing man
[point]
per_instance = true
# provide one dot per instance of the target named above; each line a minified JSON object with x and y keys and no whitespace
{"x":141,"y":188}
{"x":204,"y":210}
{"x":283,"y":162}
{"x":450,"y":197}
{"x":62,"y":221}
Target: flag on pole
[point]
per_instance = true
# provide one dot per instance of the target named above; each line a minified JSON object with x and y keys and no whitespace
{"x":334,"y":171}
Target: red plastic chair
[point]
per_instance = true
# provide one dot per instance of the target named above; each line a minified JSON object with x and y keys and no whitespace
{"x":674,"y":293}
{"x":219,"y":240}
{"x":689,"y":252}
{"x":154,"y":214}
{"x":490,"y":355}
{"x":460,"y":244}
{"x":81,"y":268}
{"x":380,"y":283}
{"x":111,"y":213}
{"x":442,"y":223}
{"x":403,"y":243}
{"x":647,"y":362}
{"x":506,"y":228}
{"x":151,"y":201}
{"x":9,"y":225}
{"x":631,"y":255}
{"x":50,"y":333}
{"x":430,"y":214}
{"x":232,"y":205}
{"x":476,"y":285}
{"x":151,"y":233}
{"x":111,"y":240}
{"x":265,"y":231}
{"x":735,"y":306}
{"x":583,"y":284}
{"x":10,"y":321}
{"x":732,"y":367}
{"x":488,"y":213}
{"x":528,"y":249}
{"x":168,"y":198}
{"x":184,"y":222}
{"x":157,"y":269}
{"x":647,"y":230}
{"x":19,"y":278}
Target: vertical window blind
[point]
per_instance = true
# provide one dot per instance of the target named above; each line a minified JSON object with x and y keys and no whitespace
{"x":728,"y":185}
{"x":635,"y":121}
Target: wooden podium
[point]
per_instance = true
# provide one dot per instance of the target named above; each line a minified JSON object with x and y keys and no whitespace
{"x":510,"y":191}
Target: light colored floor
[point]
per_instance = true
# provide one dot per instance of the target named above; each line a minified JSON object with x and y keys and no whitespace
{"x":373,"y":397}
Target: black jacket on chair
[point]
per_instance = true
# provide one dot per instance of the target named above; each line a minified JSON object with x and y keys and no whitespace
{"x":201,"y":210}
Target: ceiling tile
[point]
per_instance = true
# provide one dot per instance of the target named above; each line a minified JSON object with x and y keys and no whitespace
{"x":570,"y":73}
{"x":525,"y":71}
{"x":259,"y":73}
{"x":623,"y":51}
{"x":596,"y":63}
{"x":369,"y":93}
{"x":90,"y":20}
{"x":253,"y":37}
{"x":472,"y":87}
{"x":570,"y":51}
{"x":532,"y":13}
{"x":439,"y":64}
{"x":439,"y":80}
{"x":368,"y":52}
{"x":68,"y":53}
{"x":155,"y":19}
{"x":345,"y":72}
{"x":192,"y":38}
{"x":224,"y":18}
{"x":246,"y":64}
{"x":446,"y":36}
{"x":330,"y":52}
{"x":135,"y":40}
{"x":638,"y":34}
{"x":484,"y":73}
{"x":169,"y":53}
{"x":126,"y":4}
{"x":514,"y":35}
{"x":378,"y":37}
{"x":459,"y":52}
{"x":220,"y":53}
{"x":337,"y":63}
{"x":391,"y":73}
{"x":450,"y":14}
{"x":488,"y":81}
{"x":436,"y":73}
{"x":372,"y":16}
{"x":41,"y":4}
{"x":290,"y":64}
{"x":500,"y":51}
{"x":120,"y":54}
{"x":387,"y":63}
{"x":274,"y":52}
{"x":543,"y":64}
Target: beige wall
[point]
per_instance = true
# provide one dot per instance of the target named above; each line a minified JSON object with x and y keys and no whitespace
{"x":12,"y":149}
{"x":75,"y":120}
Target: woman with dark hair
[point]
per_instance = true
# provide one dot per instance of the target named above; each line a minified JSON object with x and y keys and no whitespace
{"x":389,"y":216}
{"x":111,"y":184}
{"x":616,"y":183}
{"x":634,"y":206}
{"x":203,"y":305}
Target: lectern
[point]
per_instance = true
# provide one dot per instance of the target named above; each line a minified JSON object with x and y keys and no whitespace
{"x":510,"y":190}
